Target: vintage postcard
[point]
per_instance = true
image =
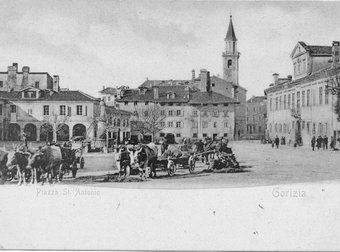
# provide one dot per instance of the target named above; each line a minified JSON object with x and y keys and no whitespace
{"x":169,"y":125}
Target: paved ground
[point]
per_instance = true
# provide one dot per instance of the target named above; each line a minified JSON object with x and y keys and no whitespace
{"x":262,"y":165}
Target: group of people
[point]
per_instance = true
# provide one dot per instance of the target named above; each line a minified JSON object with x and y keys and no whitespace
{"x":322,"y":142}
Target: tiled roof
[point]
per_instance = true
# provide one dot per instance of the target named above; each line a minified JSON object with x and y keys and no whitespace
{"x":324,"y":50}
{"x":315,"y":49}
{"x":152,"y":83}
{"x":55,"y":96}
{"x":134,"y":94}
{"x":114,"y":111}
{"x":256,"y":99}
{"x":323,"y":73}
{"x":109,"y":90}
{"x":210,"y":98}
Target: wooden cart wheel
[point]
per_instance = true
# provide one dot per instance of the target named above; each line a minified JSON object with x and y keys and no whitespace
{"x":191,"y":163}
{"x":82,"y":163}
{"x":171,"y":168}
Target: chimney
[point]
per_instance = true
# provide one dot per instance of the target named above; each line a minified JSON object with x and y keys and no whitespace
{"x":155,"y":93}
{"x":56,"y":83}
{"x":193,"y":74}
{"x":289,"y":77}
{"x":102,"y":109}
{"x":276,"y":78}
{"x":12,"y":77}
{"x":25,"y":72}
{"x":204,"y":79}
{"x":16,"y":66}
{"x":335,"y":54}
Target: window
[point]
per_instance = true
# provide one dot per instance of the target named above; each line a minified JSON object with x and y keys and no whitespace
{"x":308,"y":97}
{"x":303,"y":124}
{"x":320,"y":95}
{"x":205,"y":113}
{"x":205,"y":124}
{"x":36,"y":84}
{"x":225,"y":113}
{"x":62,"y":110}
{"x":46,"y":109}
{"x":276,"y":103}
{"x":194,"y":135}
{"x":230,"y":63}
{"x":195,"y":125}
{"x":126,"y":103}
{"x":29,"y":111}
{"x":162,"y":124}
{"x":170,"y":124}
{"x":308,"y":126}
{"x":86,"y":110}
{"x":215,"y":124}
{"x":170,"y":113}
{"x":13,"y":108}
{"x":298,"y":99}
{"x":69,"y":111}
{"x":135,"y":103}
{"x":178,"y":124}
{"x":195,"y":113}
{"x":162,"y":134}
{"x":293,"y":100}
{"x":225,"y":134}
{"x":146,"y":113}
{"x":314,"y":128}
{"x":118,"y":122}
{"x":204,"y":134}
{"x":79,"y":109}
{"x":162,"y":112}
{"x":280,"y":103}
{"x":225,"y":124}
{"x":178,"y":112}
{"x":216,"y":113}
{"x":303,"y":98}
{"x":288,"y":101}
{"x":124,"y":124}
{"x":0,"y":109}
{"x":1,"y":84}
{"x":284,"y":102}
{"x":109,"y":98}
{"x":326,"y":96}
{"x":213,"y":84}
{"x":178,"y":135}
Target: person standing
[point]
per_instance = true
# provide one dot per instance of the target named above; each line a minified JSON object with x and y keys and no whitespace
{"x":325,"y":143}
{"x":200,"y":148}
{"x":332,"y":144}
{"x":319,"y":142}
{"x":313,"y":142}
{"x":24,"y":137}
{"x":277,"y":142}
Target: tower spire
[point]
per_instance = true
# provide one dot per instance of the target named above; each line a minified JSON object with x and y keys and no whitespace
{"x":231,"y":33}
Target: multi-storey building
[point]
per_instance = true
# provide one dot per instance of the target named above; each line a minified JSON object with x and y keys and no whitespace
{"x":34,"y":103}
{"x":256,"y":117}
{"x":303,"y":107}
{"x":190,"y":111}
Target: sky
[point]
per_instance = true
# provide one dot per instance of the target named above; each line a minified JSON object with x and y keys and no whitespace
{"x":91,"y":44}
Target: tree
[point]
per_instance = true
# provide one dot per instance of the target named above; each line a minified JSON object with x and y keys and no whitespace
{"x":149,"y":120}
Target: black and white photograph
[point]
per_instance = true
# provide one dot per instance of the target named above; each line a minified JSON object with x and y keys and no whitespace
{"x":169,"y":125}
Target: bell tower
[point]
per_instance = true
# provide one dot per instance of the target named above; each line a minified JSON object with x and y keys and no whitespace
{"x":230,"y":56}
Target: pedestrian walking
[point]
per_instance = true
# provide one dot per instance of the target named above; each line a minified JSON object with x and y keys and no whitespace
{"x":277,"y":142}
{"x":319,"y":142}
{"x":313,"y":142}
{"x":332,"y":144}
{"x":325,"y":143}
